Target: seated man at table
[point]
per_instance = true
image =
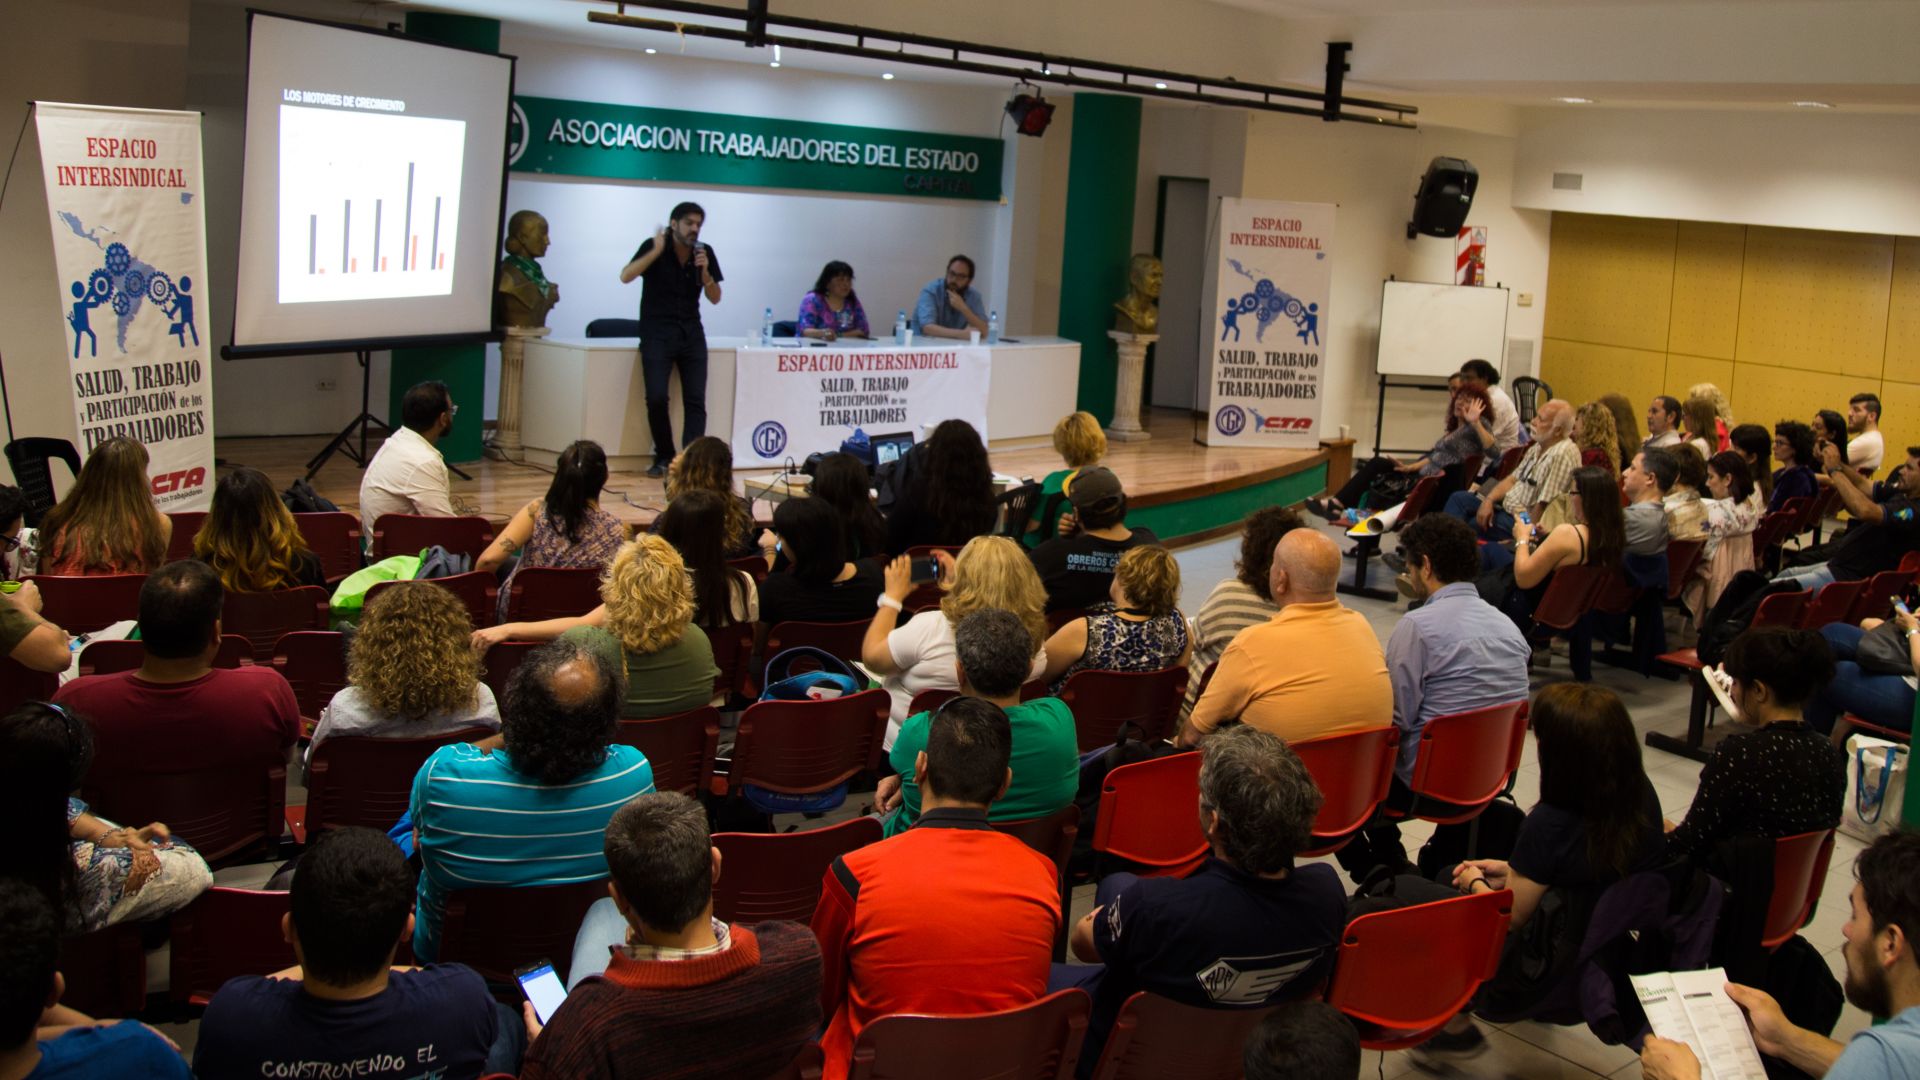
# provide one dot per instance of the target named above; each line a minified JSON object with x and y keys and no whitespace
{"x":949,"y":307}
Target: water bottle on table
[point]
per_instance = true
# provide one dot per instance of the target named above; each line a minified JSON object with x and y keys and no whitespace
{"x":766,"y":327}
{"x":993,"y":328}
{"x":900,"y":327}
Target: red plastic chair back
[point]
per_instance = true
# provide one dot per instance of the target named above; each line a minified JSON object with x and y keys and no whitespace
{"x":1616,"y":594}
{"x":1156,"y":1038}
{"x":410,"y":534}
{"x":478,"y":590}
{"x":81,"y":604}
{"x":1052,"y":836}
{"x":841,"y":639}
{"x":1876,"y":596}
{"x":1831,"y":604}
{"x":185,"y":524}
{"x":1105,"y":702}
{"x":1417,"y":501}
{"x":1470,"y":468}
{"x":106,"y":971}
{"x":1401,"y":974}
{"x":1782,"y":609}
{"x":264,"y":618}
{"x":224,"y":934}
{"x":1041,"y":1041}
{"x":1910,"y":563}
{"x":1772,"y":531}
{"x":754,"y":566}
{"x":1149,"y":815}
{"x":1683,"y":558}
{"x":551,"y":592}
{"x":229,"y":813}
{"x":1799,"y":872}
{"x":928,"y":700}
{"x":500,"y":662}
{"x":108,"y":657}
{"x":1799,"y":511}
{"x":1509,"y":461}
{"x":733,"y":655}
{"x":803,"y":747}
{"x":1571,"y":592}
{"x":335,"y":537}
{"x":1353,"y":773}
{"x":20,"y":684}
{"x":314,"y":663}
{"x":680,"y":748}
{"x":1467,"y":758}
{"x":361,"y":780}
{"x":494,"y":929}
{"x":778,"y":875}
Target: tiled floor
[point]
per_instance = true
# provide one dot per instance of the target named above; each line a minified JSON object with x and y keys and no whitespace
{"x":1522,"y":1051}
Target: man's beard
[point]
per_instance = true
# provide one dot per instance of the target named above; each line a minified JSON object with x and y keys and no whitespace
{"x":1868,"y":989}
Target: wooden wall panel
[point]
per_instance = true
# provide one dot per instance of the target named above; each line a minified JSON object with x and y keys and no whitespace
{"x":1899,"y":418}
{"x":1815,"y":301}
{"x":1766,"y":395}
{"x":1611,"y":280}
{"x":1579,"y":371}
{"x":1684,"y":372}
{"x":1707,"y":266}
{"x":1903,"y":314}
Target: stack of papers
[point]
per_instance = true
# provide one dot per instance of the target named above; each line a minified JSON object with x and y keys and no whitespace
{"x":1693,"y":1007}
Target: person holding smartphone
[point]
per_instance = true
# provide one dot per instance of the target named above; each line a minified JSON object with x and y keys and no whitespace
{"x":676,"y":270}
{"x":1878,"y":694}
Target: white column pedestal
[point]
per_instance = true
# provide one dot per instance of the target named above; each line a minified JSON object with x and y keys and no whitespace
{"x":1126,"y":426}
{"x":513,"y":359}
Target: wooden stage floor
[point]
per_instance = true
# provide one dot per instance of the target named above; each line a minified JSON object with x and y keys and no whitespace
{"x":1167,"y":468}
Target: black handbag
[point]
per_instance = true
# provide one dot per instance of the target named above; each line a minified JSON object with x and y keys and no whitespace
{"x":1883,"y":651}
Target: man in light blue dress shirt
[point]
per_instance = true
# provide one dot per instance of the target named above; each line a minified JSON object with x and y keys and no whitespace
{"x":950,"y":307}
{"x":1452,"y":654}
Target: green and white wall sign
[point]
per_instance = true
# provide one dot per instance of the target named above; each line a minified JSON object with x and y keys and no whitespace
{"x":627,"y":142}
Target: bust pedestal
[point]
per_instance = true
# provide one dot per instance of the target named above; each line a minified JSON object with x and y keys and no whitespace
{"x":1126,"y":426}
{"x":513,"y":360}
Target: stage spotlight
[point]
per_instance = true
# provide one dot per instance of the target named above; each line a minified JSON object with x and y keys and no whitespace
{"x":1031,"y":113}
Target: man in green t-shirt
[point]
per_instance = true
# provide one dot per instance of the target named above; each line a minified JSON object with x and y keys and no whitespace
{"x":28,"y":638}
{"x":993,"y":653}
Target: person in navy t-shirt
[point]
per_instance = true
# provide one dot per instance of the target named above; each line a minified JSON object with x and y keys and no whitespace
{"x":1247,"y":929}
{"x":345,"y":1010}
{"x":43,"y":1040}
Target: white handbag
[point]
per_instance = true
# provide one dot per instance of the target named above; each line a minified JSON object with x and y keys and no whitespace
{"x":1876,"y":787}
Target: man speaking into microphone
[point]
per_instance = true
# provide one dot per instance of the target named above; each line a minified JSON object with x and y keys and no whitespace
{"x":676,"y":274}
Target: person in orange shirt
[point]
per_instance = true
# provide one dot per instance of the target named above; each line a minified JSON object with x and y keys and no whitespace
{"x":1316,"y":668}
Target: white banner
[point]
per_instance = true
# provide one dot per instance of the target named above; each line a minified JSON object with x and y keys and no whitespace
{"x":125,"y":190}
{"x":788,"y":403}
{"x":1272,"y":276}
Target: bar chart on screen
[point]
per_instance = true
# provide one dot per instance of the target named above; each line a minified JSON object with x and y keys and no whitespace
{"x":368,"y":204}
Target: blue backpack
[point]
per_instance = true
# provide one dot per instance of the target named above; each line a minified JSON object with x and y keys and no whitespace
{"x":833,"y":678}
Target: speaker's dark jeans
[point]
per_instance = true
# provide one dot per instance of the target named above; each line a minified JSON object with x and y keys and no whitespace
{"x":663,"y":347}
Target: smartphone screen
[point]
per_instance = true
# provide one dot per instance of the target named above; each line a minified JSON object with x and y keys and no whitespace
{"x":542,"y":986}
{"x":925,"y":569}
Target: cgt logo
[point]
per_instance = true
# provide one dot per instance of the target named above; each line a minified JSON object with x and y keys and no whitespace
{"x":184,"y":480}
{"x":1231,"y":419}
{"x":769,"y":438}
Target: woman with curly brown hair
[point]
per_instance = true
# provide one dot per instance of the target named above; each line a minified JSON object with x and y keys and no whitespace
{"x":410,"y":670}
{"x":107,"y":524}
{"x":1597,"y":436}
{"x":251,"y":540}
{"x":644,"y":624}
{"x":707,"y":465}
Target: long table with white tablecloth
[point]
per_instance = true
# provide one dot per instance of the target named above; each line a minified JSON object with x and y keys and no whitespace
{"x":592,"y":388}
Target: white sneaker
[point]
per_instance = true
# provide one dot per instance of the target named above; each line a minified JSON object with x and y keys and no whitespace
{"x":1721,"y":684}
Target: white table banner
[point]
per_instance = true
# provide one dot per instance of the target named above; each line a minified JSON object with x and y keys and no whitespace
{"x":791,"y":402}
{"x":1272,"y":275}
{"x":125,"y":193}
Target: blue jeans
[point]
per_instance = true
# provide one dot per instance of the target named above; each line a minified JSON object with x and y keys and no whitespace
{"x":1465,"y":505}
{"x":1815,"y":577}
{"x":1886,"y":700}
{"x":600,"y":931}
{"x":509,"y":1042}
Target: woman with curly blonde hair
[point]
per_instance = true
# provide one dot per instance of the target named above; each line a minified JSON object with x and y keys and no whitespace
{"x":707,"y":465}
{"x":991,"y":572}
{"x":251,"y":540}
{"x":1596,"y":436}
{"x":107,"y":524}
{"x":1141,"y":630}
{"x":644,"y":624}
{"x":410,"y":671}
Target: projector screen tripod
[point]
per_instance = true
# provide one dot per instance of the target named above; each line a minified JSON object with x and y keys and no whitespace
{"x":342,"y":443}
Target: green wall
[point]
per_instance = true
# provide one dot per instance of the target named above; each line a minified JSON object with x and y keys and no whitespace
{"x":1104,"y":157}
{"x":462,"y":367}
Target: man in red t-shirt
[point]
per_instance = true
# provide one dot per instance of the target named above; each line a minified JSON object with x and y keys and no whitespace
{"x":177,"y":712}
{"x":950,"y":917}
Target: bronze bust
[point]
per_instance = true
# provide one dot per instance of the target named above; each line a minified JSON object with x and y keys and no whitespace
{"x":1139,"y":310}
{"x":524,"y":295}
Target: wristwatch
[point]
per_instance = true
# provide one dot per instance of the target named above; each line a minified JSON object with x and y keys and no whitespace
{"x":883,"y":600}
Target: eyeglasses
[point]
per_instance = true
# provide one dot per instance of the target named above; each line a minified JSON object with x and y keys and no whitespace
{"x":8,"y":543}
{"x":453,"y":410}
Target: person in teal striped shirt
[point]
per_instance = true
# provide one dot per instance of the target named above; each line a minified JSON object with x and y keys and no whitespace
{"x":532,"y":810}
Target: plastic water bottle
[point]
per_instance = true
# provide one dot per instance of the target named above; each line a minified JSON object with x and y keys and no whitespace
{"x":900,"y":327}
{"x":993,"y":328}
{"x":766,"y":328}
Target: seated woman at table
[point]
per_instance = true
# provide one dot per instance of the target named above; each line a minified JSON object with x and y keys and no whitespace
{"x":832,"y":310}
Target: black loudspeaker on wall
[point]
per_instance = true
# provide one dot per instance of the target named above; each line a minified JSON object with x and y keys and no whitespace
{"x":1446,"y":194}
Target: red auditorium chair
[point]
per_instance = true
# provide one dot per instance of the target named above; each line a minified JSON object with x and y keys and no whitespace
{"x":841,"y":639}
{"x":83,"y":604}
{"x":494,"y":929}
{"x":778,"y":875}
{"x":680,"y":748}
{"x":225,"y":933}
{"x":1040,"y":1041}
{"x":264,"y":618}
{"x":539,"y":593}
{"x":1052,"y":836}
{"x":499,"y":664}
{"x":108,"y":657}
{"x":478,"y":590}
{"x":1400,"y":975}
{"x":733,"y":655}
{"x":1465,"y":761}
{"x":230,"y":814}
{"x":1353,"y":773}
{"x":335,"y":537}
{"x":1799,"y":872}
{"x":1143,"y":704}
{"x":185,"y":524}
{"x":1154,"y":1038}
{"x":1147,"y":815}
{"x":362,"y":780}
{"x":410,"y":534}
{"x":314,"y":663}
{"x":806,"y":747}
{"x":106,"y":971}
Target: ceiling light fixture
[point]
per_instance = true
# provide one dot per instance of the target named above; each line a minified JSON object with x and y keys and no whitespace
{"x":1574,"y":100}
{"x":1813,"y":104}
{"x":887,"y":75}
{"x":1159,"y":86}
{"x":776,"y":57}
{"x":650,"y":52}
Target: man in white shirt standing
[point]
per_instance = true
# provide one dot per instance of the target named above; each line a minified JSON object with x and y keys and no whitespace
{"x":1865,"y":448}
{"x":408,"y":475}
{"x":1506,"y":418}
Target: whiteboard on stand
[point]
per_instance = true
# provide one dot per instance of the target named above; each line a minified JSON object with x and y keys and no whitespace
{"x":1430,"y":329}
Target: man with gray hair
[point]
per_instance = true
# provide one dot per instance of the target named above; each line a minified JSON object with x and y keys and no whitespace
{"x":1544,"y":474}
{"x":993,"y":655}
{"x":1314,"y":669}
{"x":1246,"y":930}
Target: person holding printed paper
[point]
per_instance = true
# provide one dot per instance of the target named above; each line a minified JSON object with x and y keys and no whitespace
{"x":1883,"y":978}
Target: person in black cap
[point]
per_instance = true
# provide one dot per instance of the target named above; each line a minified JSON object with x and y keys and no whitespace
{"x":1077,"y":567}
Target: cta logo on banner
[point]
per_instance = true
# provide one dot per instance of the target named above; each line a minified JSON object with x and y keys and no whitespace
{"x":1272,"y":275}
{"x":788,"y":403}
{"x":124,"y":190}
